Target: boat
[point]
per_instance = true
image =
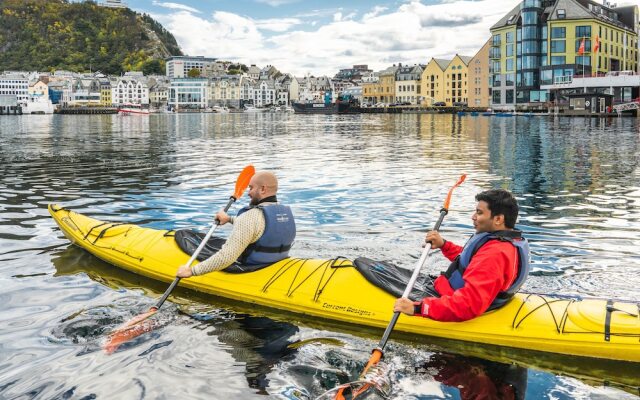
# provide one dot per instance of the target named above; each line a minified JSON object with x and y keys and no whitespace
{"x":252,"y":109}
{"x":220,"y":109}
{"x":38,"y":105}
{"x":355,"y":292}
{"x":132,"y":109}
{"x":344,"y":105}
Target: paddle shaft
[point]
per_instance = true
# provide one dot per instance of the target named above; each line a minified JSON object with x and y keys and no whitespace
{"x":412,"y":281}
{"x":194,"y":255}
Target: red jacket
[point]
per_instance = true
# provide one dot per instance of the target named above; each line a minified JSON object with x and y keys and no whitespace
{"x":491,"y":270}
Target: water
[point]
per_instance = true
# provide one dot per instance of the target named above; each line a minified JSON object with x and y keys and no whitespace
{"x":359,"y":185}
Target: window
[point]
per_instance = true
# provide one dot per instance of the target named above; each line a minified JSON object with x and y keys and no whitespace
{"x":546,"y":77}
{"x":558,"y":60}
{"x":509,"y":36}
{"x":529,"y":32}
{"x":508,"y":98}
{"x":558,"y":46}
{"x":496,"y":81}
{"x":496,"y":97}
{"x":509,"y":79}
{"x":509,"y":52}
{"x":496,"y":40}
{"x":509,"y":65}
{"x":561,"y":13}
{"x":558,"y":33}
{"x":583,"y":60}
{"x":583,"y":31}
{"x":587,"y":45}
{"x":529,"y":18}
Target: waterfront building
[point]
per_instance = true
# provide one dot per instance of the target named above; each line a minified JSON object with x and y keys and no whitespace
{"x":225,"y":91}
{"x":433,"y":82}
{"x":313,"y":89}
{"x":288,"y":89}
{"x":130,"y":91}
{"x":85,"y":92}
{"x":294,"y":88}
{"x":15,"y":85}
{"x":159,"y":94}
{"x":188,"y":93}
{"x":387,"y":89}
{"x":179,"y":66}
{"x":407,"y":84}
{"x":105,"y":92}
{"x":39,"y":89}
{"x":55,"y":90}
{"x":478,"y":82}
{"x":541,"y":42}
{"x":370,"y":88}
{"x":456,"y":80}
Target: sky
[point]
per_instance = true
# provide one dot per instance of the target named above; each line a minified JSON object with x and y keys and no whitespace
{"x":321,"y":37}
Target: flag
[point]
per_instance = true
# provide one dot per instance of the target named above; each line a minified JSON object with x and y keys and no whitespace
{"x":581,"y":49}
{"x":596,"y":45}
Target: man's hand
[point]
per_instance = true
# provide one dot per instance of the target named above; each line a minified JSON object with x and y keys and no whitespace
{"x":222,"y":217}
{"x":404,"y":306}
{"x":435,"y":239}
{"x":184,"y":272}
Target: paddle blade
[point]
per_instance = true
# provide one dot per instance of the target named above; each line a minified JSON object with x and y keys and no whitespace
{"x":123,"y":336}
{"x":376,"y":355}
{"x":448,"y":199}
{"x":243,"y":180}
{"x":129,"y":330}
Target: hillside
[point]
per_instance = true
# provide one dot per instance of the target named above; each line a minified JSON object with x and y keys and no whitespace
{"x":45,"y":35}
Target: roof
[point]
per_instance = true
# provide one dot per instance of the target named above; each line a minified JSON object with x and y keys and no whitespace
{"x":504,"y":21}
{"x":442,"y":63}
{"x":465,"y":59}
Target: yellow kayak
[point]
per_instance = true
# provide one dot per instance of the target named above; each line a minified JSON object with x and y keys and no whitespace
{"x":338,"y":289}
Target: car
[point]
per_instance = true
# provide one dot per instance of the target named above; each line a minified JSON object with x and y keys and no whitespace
{"x":439,"y":104}
{"x":460,"y":104}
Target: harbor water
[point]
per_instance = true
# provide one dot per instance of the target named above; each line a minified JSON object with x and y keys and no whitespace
{"x":359,"y":185}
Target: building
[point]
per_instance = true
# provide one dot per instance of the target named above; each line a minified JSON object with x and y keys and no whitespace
{"x":353,"y":74}
{"x":433,"y":82}
{"x":159,"y":95}
{"x":456,"y":80}
{"x":179,"y":66}
{"x":540,"y":42}
{"x":225,"y":91}
{"x":130,"y":91}
{"x":370,"y":88}
{"x":254,"y":72}
{"x":15,"y":85}
{"x":188,"y":93}
{"x":85,"y":92}
{"x":39,"y":89}
{"x":105,"y":92}
{"x":387,"y":81}
{"x":478,"y":83}
{"x":407,"y":84}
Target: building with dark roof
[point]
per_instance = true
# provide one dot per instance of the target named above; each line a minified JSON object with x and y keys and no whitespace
{"x":543,"y":41}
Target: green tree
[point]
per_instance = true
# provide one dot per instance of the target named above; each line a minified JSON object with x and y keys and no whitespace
{"x":193,"y":73}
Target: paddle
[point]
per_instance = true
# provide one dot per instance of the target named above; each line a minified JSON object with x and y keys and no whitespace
{"x":378,"y":351}
{"x":131,"y":328}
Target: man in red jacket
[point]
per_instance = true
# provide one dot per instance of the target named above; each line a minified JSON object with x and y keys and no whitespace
{"x":484,"y":274}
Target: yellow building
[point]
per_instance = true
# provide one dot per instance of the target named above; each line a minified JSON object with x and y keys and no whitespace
{"x":456,"y":81}
{"x":544,"y":42}
{"x":39,"y":89}
{"x":478,"y":83}
{"x":387,"y":82}
{"x":105,"y":93}
{"x":371,"y":90}
{"x":433,"y":82}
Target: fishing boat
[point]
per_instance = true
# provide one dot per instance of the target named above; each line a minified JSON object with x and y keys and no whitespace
{"x":359,"y":292}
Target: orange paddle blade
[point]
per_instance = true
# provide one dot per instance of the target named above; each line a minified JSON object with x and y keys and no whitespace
{"x":124,"y":335}
{"x":448,"y":200}
{"x":129,"y":330}
{"x":243,"y":180}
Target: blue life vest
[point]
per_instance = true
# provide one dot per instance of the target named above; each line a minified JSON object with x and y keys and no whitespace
{"x":275,"y":242}
{"x":457,"y":268}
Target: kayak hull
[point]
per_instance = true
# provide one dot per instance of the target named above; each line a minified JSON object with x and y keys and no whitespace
{"x":335,"y":290}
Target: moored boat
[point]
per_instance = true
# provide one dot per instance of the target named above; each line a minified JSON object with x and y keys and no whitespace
{"x":133,"y":109}
{"x":352,"y":291}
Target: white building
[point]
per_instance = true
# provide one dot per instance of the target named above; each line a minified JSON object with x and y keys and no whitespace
{"x":189,"y":93}
{"x":129,"y":91}
{"x":263,"y":93}
{"x":408,"y":84}
{"x":15,"y":85}
{"x":225,"y":91}
{"x":179,"y":66}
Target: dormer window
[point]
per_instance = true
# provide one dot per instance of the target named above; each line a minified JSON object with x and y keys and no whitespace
{"x":511,"y":19}
{"x":561,"y":13}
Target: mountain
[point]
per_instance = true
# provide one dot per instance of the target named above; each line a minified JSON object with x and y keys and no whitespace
{"x":45,"y":35}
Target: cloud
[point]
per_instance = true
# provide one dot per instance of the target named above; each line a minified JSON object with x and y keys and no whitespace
{"x":411,"y":33}
{"x":176,"y":6}
{"x":276,"y":3}
{"x":377,"y":10}
{"x":278,"y":25}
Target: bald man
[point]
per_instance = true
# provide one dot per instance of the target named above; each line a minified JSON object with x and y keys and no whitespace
{"x":262,"y":234}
